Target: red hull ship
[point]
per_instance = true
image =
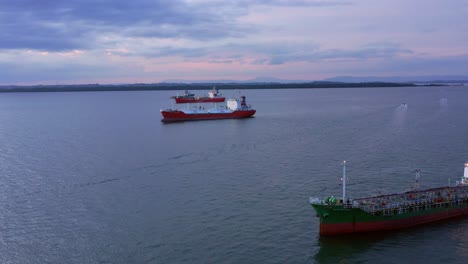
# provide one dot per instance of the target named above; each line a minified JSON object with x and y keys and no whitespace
{"x":213,"y":97}
{"x":230,"y":111}
{"x":178,"y":115}
{"x":389,"y":212}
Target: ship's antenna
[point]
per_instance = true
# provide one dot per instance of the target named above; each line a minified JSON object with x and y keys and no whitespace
{"x":418,"y":171}
{"x":344,"y":181}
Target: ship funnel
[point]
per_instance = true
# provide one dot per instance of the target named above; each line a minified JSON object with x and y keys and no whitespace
{"x":243,"y":103}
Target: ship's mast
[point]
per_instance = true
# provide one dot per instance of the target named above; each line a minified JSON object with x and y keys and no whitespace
{"x":418,"y":171}
{"x":344,"y":181}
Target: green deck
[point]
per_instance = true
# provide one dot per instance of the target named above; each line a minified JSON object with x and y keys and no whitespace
{"x":334,"y":214}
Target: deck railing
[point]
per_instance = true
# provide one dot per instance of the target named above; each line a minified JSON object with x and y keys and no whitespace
{"x":403,"y":203}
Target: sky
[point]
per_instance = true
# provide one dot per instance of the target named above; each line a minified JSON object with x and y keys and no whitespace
{"x":149,"y":41}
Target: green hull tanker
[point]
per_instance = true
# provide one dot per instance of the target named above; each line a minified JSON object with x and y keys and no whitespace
{"x":389,"y":212}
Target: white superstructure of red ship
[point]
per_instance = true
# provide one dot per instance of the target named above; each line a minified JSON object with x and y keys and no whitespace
{"x":213,"y":97}
{"x":234,"y":108}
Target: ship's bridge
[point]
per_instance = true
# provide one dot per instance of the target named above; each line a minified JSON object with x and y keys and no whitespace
{"x":235,"y":104}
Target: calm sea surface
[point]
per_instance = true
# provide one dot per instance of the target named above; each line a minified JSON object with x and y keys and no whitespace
{"x":97,"y":178}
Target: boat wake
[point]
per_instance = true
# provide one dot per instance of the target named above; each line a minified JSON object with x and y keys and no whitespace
{"x":180,"y":156}
{"x":99,"y":182}
{"x":399,"y":115}
{"x":443,"y":101}
{"x":403,"y":107}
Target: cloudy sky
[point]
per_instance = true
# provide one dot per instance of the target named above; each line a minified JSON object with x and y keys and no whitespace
{"x":128,"y":41}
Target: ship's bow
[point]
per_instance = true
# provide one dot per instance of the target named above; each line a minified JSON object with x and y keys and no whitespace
{"x":334,"y":218}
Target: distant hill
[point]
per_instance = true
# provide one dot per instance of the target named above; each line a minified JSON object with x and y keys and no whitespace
{"x":256,"y":83}
{"x":343,"y":79}
{"x":403,"y":79}
{"x":250,"y":81}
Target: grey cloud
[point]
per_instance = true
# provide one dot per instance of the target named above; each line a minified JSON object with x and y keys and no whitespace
{"x":364,"y":53}
{"x":450,"y":65}
{"x":280,"y":53}
{"x":18,"y":71}
{"x":318,"y":3}
{"x":55,"y":25}
{"x":75,"y":24}
{"x":102,"y":12}
{"x":276,"y":53}
{"x":439,"y":65}
{"x":261,"y":61}
{"x":206,"y":31}
{"x":169,"y":51}
{"x":221,"y":61}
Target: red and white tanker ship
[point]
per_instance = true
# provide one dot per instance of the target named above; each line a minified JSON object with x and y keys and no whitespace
{"x":234,"y":109}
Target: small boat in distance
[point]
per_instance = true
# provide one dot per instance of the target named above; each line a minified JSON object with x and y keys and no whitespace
{"x":234,"y":109}
{"x":389,"y":212}
{"x":213,"y":97}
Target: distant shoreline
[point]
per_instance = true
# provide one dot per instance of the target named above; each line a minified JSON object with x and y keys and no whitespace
{"x":198,"y":86}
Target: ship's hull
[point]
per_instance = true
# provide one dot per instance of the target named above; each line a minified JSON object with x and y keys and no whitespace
{"x":178,"y":116}
{"x":337,"y":219}
{"x":185,"y":100}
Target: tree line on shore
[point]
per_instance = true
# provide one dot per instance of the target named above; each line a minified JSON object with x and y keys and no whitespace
{"x":198,"y":86}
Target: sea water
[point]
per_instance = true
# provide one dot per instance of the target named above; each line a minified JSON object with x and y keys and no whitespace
{"x":95,"y":177}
